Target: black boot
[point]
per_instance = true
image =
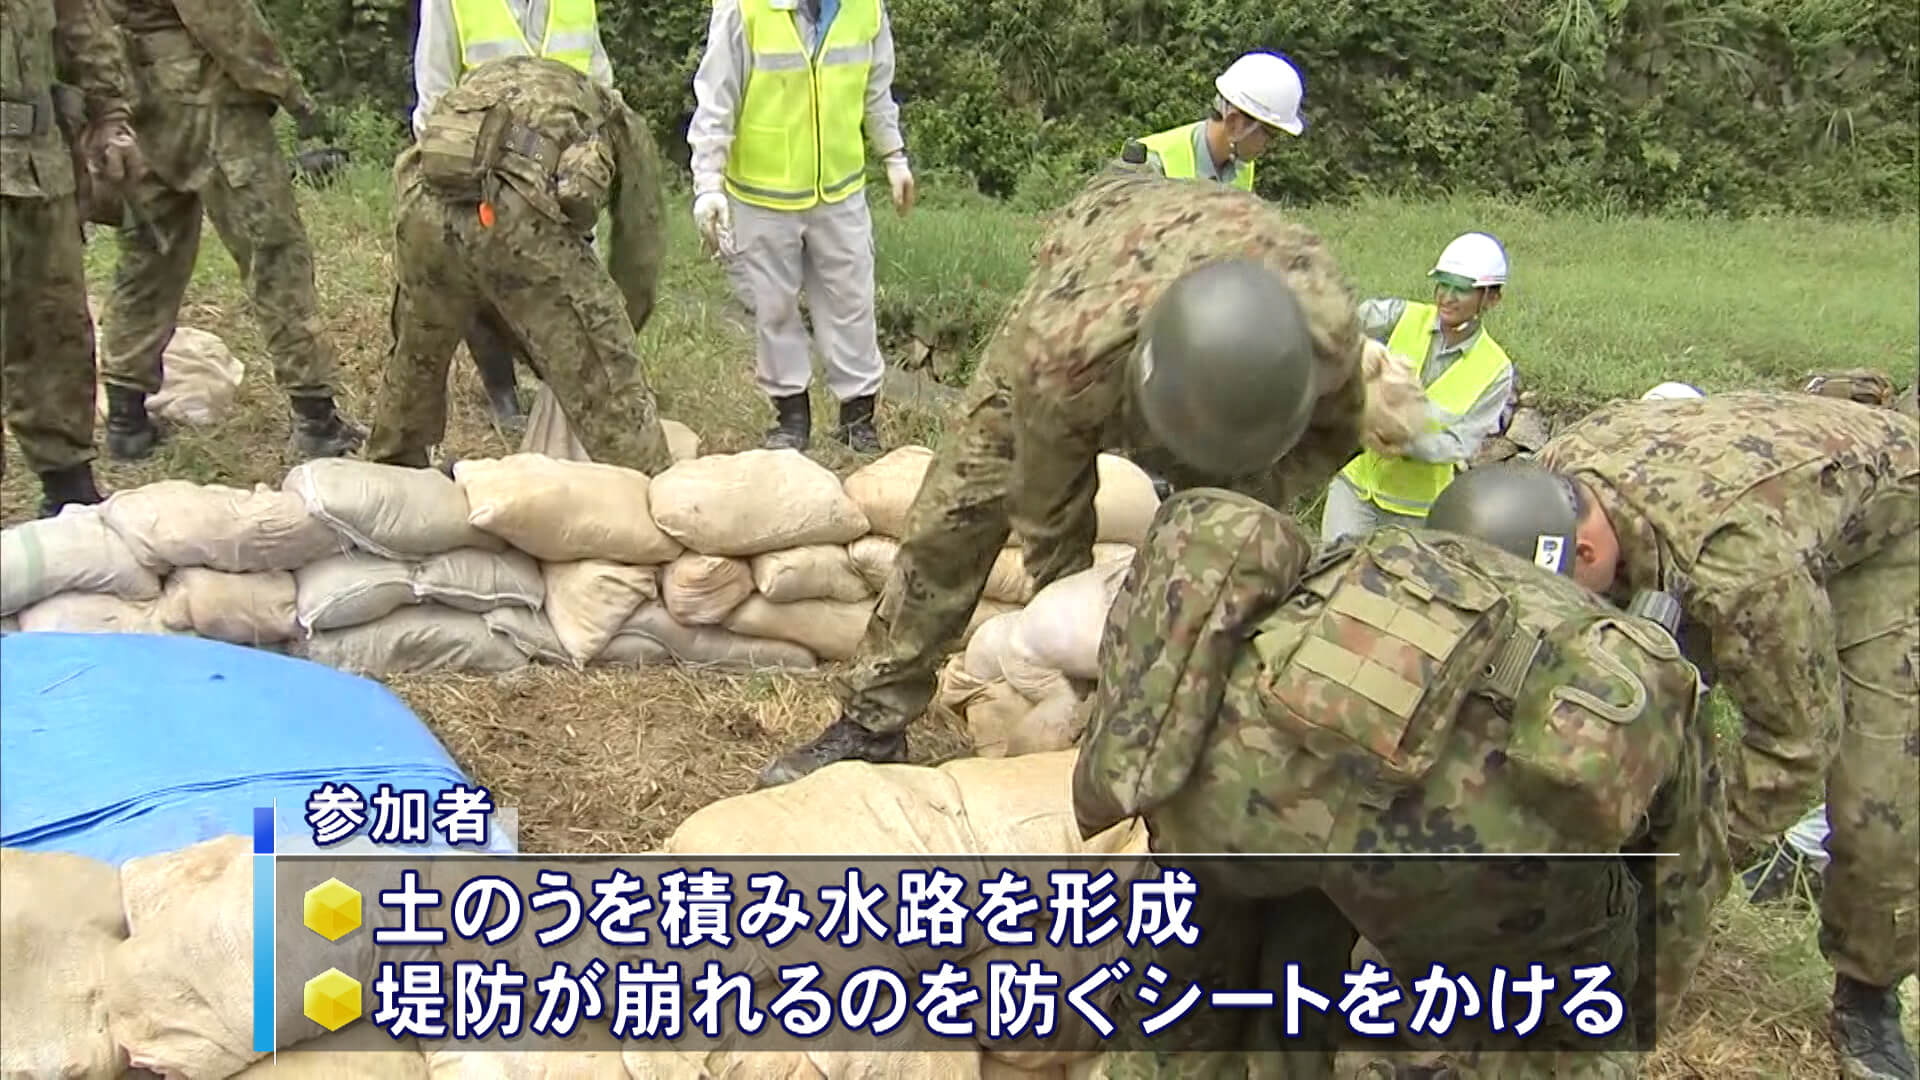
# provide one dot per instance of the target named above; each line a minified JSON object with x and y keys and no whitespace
{"x":843,"y":740}
{"x":794,"y":431}
{"x":856,"y":425}
{"x":70,"y":486}
{"x":320,"y":431}
{"x":492,"y":352}
{"x":1866,"y":1032}
{"x":130,"y":431}
{"x":506,"y":411}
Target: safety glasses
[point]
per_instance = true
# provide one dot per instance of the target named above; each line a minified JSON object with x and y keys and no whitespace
{"x":1453,"y":284}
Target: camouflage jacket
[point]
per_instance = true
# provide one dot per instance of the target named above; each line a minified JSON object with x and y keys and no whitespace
{"x":1743,"y":505}
{"x":1060,"y":354}
{"x":43,"y":42}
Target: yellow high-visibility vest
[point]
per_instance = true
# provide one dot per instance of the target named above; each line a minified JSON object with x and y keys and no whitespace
{"x":1403,"y":485}
{"x":797,"y":140}
{"x":488,"y":31}
{"x":1175,"y":148}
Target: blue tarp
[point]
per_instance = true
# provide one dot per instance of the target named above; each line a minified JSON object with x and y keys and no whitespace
{"x":120,"y":745}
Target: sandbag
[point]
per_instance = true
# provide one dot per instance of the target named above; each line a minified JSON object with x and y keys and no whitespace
{"x":753,"y":502}
{"x":75,"y":551}
{"x":527,"y":1064}
{"x":565,"y":511}
{"x":702,"y":590}
{"x":177,"y":523}
{"x":885,"y":488}
{"x":653,"y":1064}
{"x":867,"y":1065}
{"x":350,"y":589}
{"x":872,"y":557}
{"x":479,"y":581}
{"x":1396,"y":408}
{"x":199,"y":378}
{"x":987,"y":649}
{"x":588,"y":600}
{"x":60,"y":920}
{"x":1060,"y":630}
{"x":711,"y":645}
{"x":93,"y":613}
{"x":549,"y":434}
{"x":633,"y":650}
{"x":813,"y":572}
{"x":984,"y":612}
{"x":1001,"y":722}
{"x":244,"y":609}
{"x":830,"y":629}
{"x":530,"y":632}
{"x":429,"y":637}
{"x":1008,"y":582}
{"x":1125,"y":503}
{"x":316,"y":1059}
{"x":394,"y":512}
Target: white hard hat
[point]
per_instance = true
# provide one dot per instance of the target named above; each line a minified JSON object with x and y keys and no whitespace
{"x":1475,"y":256}
{"x":1672,"y":391}
{"x":1266,"y":87}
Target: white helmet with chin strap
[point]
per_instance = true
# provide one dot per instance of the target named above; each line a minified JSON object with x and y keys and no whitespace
{"x":1475,"y":258}
{"x":1266,"y":87}
{"x":1672,"y":391}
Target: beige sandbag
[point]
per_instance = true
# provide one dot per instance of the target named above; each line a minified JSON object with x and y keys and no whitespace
{"x":633,"y":650}
{"x":830,"y":629}
{"x":754,"y":501}
{"x":1008,"y":582}
{"x":885,"y":488}
{"x":868,"y":1065}
{"x":984,"y":612}
{"x":526,"y":1064}
{"x":872,"y":557}
{"x":317,"y":1059}
{"x":1396,"y":408}
{"x":528,"y":631}
{"x":847,"y":808}
{"x":199,"y":378}
{"x":813,"y":572}
{"x":1060,"y":630}
{"x":713,"y":646}
{"x":245,"y":609}
{"x":987,"y":649}
{"x":92,"y":613}
{"x":75,"y":551}
{"x":565,"y":511}
{"x":479,"y":581}
{"x":350,"y":589}
{"x":1126,"y":501}
{"x":589,"y":600}
{"x":651,"y":1064}
{"x":548,"y":433}
{"x":177,"y":523}
{"x":702,"y":590}
{"x":60,"y":920}
{"x":994,"y":1065}
{"x":429,"y":637}
{"x":394,"y":512}
{"x":1001,"y":722}
{"x":1022,"y":805}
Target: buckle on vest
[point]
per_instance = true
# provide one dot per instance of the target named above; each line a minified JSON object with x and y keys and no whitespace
{"x":532,"y":145}
{"x":1507,"y":669}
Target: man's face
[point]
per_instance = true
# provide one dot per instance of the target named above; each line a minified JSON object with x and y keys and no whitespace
{"x":1250,"y":137}
{"x":1459,"y":302}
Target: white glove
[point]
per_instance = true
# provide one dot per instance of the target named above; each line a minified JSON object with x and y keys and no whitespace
{"x":714,"y":218}
{"x":901,"y":178}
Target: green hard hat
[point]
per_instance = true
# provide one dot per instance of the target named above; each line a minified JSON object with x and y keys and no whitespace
{"x":1517,"y":507}
{"x":1224,"y":370}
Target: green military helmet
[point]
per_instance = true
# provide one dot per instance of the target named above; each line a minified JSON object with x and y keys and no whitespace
{"x":1517,"y":507}
{"x":1224,"y":370}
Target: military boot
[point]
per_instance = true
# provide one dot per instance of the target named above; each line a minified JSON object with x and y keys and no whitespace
{"x":506,"y":411}
{"x":856,"y":425}
{"x":61,"y":488}
{"x":1866,"y":1032}
{"x":794,"y":431}
{"x":130,"y":431}
{"x":843,"y":740}
{"x":320,"y":431}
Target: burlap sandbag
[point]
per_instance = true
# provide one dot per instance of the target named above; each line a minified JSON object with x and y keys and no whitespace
{"x":479,"y":581}
{"x":93,"y":613}
{"x":589,"y":600}
{"x":885,"y":488}
{"x":530,"y":632}
{"x":860,"y":1065}
{"x":873,"y":556}
{"x":565,"y":511}
{"x":754,"y":501}
{"x":244,"y":609}
{"x":74,"y":552}
{"x":428,"y":637}
{"x":987,"y":649}
{"x":60,"y":920}
{"x":1396,"y":409}
{"x":350,"y":589}
{"x":200,"y":377}
{"x":1001,"y":722}
{"x":177,"y":523}
{"x":719,"y":1065}
{"x":702,"y":590}
{"x":813,"y":572}
{"x":527,"y":1064}
{"x":317,"y":1059}
{"x":984,"y":612}
{"x":830,"y":629}
{"x":715,"y":647}
{"x":391,"y":511}
{"x":1060,"y":630}
{"x":549,"y":434}
{"x":633,"y":650}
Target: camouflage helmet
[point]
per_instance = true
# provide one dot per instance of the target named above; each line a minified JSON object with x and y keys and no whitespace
{"x":1517,"y":507}
{"x":1224,"y":370}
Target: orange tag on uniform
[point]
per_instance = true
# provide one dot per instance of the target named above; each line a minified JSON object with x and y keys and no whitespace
{"x":486,"y":215}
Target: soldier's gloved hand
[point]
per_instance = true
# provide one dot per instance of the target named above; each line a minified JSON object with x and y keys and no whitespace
{"x":714,"y":218}
{"x":901,"y":179}
{"x":113,"y":154}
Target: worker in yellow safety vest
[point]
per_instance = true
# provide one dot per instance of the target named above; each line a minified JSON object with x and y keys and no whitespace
{"x":1257,"y":96}
{"x":1468,"y":379}
{"x":457,"y":36}
{"x":784,"y":94}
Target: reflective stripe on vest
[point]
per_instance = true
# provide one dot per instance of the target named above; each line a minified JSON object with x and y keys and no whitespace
{"x":1175,"y":148}
{"x":488,"y":31}
{"x":1403,"y":485}
{"x":798,"y":139}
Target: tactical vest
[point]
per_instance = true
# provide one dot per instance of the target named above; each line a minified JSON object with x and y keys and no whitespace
{"x":1404,"y":485}
{"x":547,"y":144}
{"x":1175,"y":148}
{"x":488,"y":30}
{"x":798,"y":138}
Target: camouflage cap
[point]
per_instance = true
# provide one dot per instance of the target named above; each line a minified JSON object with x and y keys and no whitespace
{"x":1517,"y":507}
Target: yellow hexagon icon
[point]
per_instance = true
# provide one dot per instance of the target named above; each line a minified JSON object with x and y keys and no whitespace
{"x":332,"y":999}
{"x":333,"y":909}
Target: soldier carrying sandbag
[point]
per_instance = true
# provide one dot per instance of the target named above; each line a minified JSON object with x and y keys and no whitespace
{"x":493,"y":208}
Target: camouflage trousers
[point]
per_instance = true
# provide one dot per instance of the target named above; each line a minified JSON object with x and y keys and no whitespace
{"x":249,"y":195}
{"x":46,"y":333}
{"x":548,"y":290}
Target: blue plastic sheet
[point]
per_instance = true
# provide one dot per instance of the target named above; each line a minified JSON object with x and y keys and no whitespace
{"x":120,"y":745}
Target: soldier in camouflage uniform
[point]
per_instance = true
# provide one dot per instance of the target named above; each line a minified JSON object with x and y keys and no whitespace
{"x":1052,"y":392}
{"x":493,"y":208}
{"x":1789,"y":527}
{"x":210,"y":76}
{"x":1404,"y":692}
{"x":46,"y":333}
